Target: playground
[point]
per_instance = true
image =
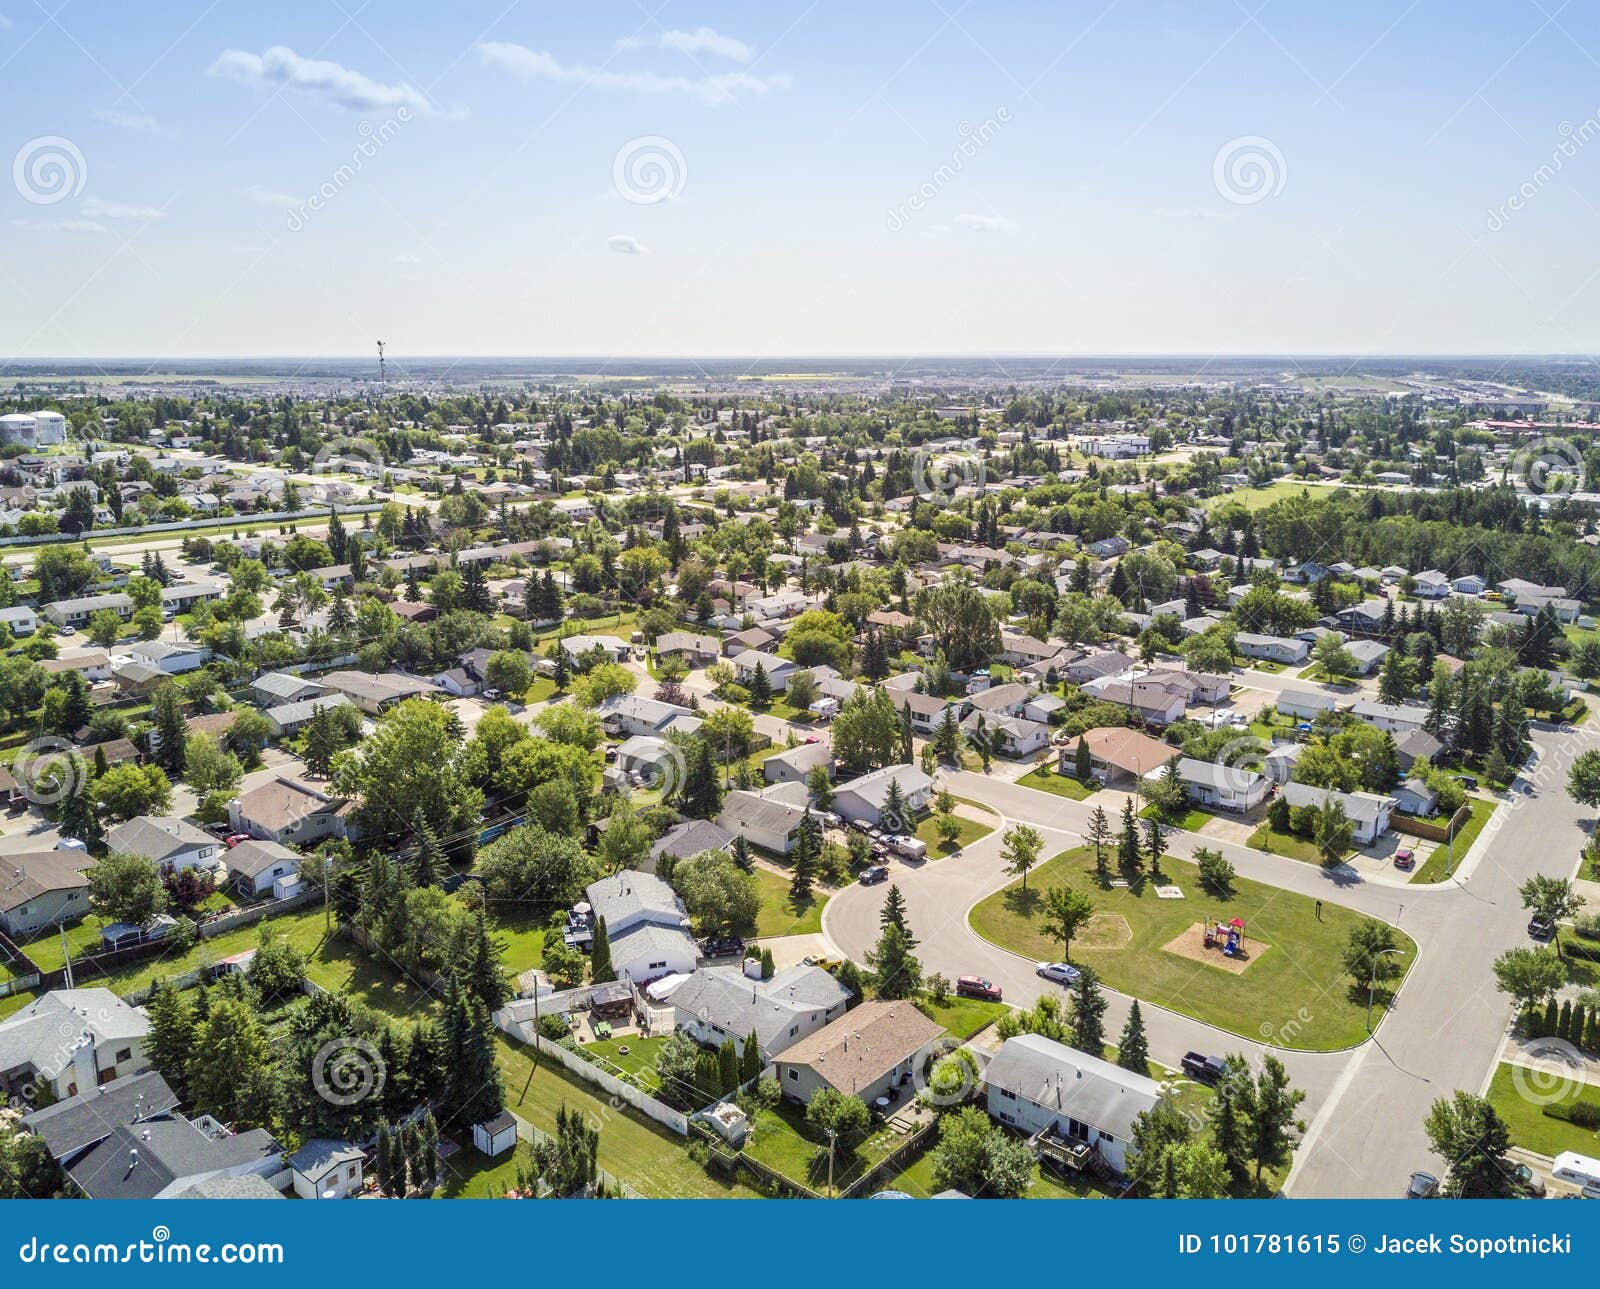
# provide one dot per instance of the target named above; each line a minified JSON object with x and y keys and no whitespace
{"x":1218,"y":944}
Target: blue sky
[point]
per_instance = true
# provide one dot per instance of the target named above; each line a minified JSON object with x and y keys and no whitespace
{"x":796,"y":178}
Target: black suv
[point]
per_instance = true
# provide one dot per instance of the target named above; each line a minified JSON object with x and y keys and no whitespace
{"x":724,"y":946}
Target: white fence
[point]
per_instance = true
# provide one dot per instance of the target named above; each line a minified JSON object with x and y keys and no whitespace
{"x":522,"y":1030}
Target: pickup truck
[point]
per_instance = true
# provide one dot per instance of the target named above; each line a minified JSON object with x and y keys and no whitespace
{"x":1207,"y":1069}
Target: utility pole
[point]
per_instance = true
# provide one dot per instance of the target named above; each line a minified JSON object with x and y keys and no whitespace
{"x":383,"y":374}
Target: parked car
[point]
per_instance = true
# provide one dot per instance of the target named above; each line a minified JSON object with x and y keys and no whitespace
{"x":1063,"y":973}
{"x":978,"y":987}
{"x":724,"y":946}
{"x":1206,"y":1069}
{"x":219,"y":830}
{"x":234,"y":838}
{"x":1468,"y":781}
{"x":861,"y":826}
{"x":1405,"y":859}
{"x":873,"y":874}
{"x":1541,"y":928}
{"x":1422,"y":1186}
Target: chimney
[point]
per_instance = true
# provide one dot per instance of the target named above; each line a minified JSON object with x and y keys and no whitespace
{"x":133,"y":1158}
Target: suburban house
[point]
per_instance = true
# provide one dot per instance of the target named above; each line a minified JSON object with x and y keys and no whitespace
{"x":258,"y":868}
{"x":1000,"y":700}
{"x":926,"y":711}
{"x":1365,"y":654}
{"x":778,"y":670}
{"x":1117,"y":755}
{"x":1304,"y":704}
{"x":863,"y":798}
{"x":716,"y":1004}
{"x":577,"y":647}
{"x":1013,"y":737}
{"x":274,"y":688}
{"x":77,"y":612}
{"x":288,"y":811}
{"x":1392,"y":718}
{"x":376,"y":694}
{"x":1282,"y":649}
{"x":795,"y":764}
{"x":688,"y":838}
{"x":699,"y":650}
{"x":771,"y":825}
{"x":291,"y":718}
{"x":1368,"y":811}
{"x":172,"y":843}
{"x":1035,"y":1084}
{"x":70,"y":1127}
{"x":1223,"y":787}
{"x":71,"y":1040}
{"x":646,"y":925}
{"x":43,"y":889}
{"x":1153,"y":704}
{"x":1416,"y":746}
{"x":869,"y":1052}
{"x":163,"y":1157}
{"x":629,"y":715}
{"x":173,"y":659}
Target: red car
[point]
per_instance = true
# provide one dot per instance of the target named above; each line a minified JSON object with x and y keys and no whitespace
{"x":233,"y":839}
{"x":978,"y":987}
{"x":1405,"y":859}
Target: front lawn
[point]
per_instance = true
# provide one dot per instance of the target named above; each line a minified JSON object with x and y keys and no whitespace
{"x":971,"y":831}
{"x":1268,"y":839}
{"x":1063,"y":785}
{"x":1530,"y":1127}
{"x":1190,"y":819}
{"x":781,"y":916}
{"x":1433,"y":869}
{"x":963,"y":1017}
{"x":1296,"y":990}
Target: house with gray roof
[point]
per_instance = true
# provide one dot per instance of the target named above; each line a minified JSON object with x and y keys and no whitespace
{"x":173,"y":843}
{"x":716,"y":1004}
{"x":864,"y":797}
{"x":72,"y":1040}
{"x":1214,"y":784}
{"x":1368,"y":811}
{"x":70,"y":1127}
{"x":43,"y":889}
{"x":159,"y":1158}
{"x":647,"y":925}
{"x":763,"y":821}
{"x":1035,"y":1084}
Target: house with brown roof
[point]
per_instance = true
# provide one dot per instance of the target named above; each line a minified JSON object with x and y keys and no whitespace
{"x":869,"y":1052}
{"x":43,"y":889}
{"x":286,"y":811}
{"x":1117,"y":755}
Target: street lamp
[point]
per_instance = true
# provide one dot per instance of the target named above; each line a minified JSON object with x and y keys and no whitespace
{"x":1372,"y":980}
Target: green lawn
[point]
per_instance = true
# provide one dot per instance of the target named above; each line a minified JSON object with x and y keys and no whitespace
{"x":15,"y":1003}
{"x":1433,"y":868}
{"x":971,"y":831}
{"x":916,"y":1180}
{"x":963,"y":1017}
{"x":783,"y":1140}
{"x":83,"y":938}
{"x":1258,"y":498}
{"x":638,"y":1062}
{"x":779,"y":915}
{"x":1265,"y":838}
{"x":648,"y":1157}
{"x":471,"y":1175}
{"x":341,"y":966}
{"x":1063,"y":785}
{"x":1530,"y":1127}
{"x":1190,"y":819}
{"x":1296,"y":988}
{"x":523,"y":936}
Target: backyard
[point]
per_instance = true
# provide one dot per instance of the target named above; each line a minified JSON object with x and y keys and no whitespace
{"x":783,"y":1141}
{"x":1295,"y":987}
{"x":779,"y":915}
{"x":916,"y":1180}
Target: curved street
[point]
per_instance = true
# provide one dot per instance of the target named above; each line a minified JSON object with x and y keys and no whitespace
{"x":1364,"y":1107}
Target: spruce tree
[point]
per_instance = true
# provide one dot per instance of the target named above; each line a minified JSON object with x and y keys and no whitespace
{"x":1088,"y":1013}
{"x":600,"y":968}
{"x":750,"y":1059}
{"x":1133,"y":1051}
{"x":728,"y":1066}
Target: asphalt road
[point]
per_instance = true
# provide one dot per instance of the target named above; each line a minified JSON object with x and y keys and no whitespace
{"x":1364,"y":1107}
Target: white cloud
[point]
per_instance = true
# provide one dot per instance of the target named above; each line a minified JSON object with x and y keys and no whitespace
{"x":408,"y":257}
{"x":120,"y":210}
{"x":127,"y":120}
{"x":62,"y":225}
{"x":985,"y":224}
{"x":714,"y":91}
{"x":264,"y":196}
{"x":627,"y":244}
{"x":702,"y":40}
{"x":5,"y":23}
{"x":281,"y":67}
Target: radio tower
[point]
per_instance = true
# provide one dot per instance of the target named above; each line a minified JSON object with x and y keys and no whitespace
{"x":383,"y":376}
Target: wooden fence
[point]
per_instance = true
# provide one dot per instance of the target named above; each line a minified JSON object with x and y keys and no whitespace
{"x":1432,"y":832}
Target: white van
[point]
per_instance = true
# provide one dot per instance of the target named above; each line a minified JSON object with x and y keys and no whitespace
{"x":1577,"y":1170}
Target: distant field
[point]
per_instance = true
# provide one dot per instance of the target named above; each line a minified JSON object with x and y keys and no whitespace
{"x":1258,"y":498}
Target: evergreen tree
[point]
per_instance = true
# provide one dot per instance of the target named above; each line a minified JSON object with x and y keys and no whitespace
{"x":893,"y":913}
{"x":1088,"y":1013}
{"x":430,"y":861}
{"x":1100,"y":837}
{"x":1133,"y":1051}
{"x":750,"y":1059}
{"x":806,"y":857}
{"x":1128,"y":842}
{"x":700,"y":797}
{"x":741,"y":854}
{"x":169,"y":728}
{"x":171,"y":1040}
{"x":389,"y":1166}
{"x":760,"y":687}
{"x":473,"y":1092}
{"x":600,"y":968}
{"x":728,"y":1067}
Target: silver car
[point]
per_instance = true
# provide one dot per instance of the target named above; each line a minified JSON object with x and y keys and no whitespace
{"x":1063,"y":973}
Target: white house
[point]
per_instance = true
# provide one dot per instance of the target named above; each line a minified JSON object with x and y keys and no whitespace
{"x":1280,"y":649}
{"x":1224,"y":787}
{"x":716,"y":1004}
{"x":1368,"y":811}
{"x":1304,"y":704}
{"x":863,"y":798}
{"x":646,"y":925}
{"x":1393,"y":718}
{"x":762,"y":821}
{"x":172,"y":843}
{"x":71,"y":1040}
{"x":1035,"y":1083}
